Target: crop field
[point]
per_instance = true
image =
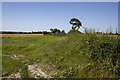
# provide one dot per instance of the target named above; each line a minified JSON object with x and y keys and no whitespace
{"x":75,"y":55}
{"x":20,"y":35}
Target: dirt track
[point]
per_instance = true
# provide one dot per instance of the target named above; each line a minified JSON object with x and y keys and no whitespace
{"x":35,"y":71}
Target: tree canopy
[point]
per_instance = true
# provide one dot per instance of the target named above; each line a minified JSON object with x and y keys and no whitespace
{"x":75,"y":23}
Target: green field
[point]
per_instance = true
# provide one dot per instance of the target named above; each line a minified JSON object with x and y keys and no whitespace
{"x":75,"y":55}
{"x":27,"y":49}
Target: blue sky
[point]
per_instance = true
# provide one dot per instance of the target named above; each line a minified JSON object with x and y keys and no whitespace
{"x":41,"y":16}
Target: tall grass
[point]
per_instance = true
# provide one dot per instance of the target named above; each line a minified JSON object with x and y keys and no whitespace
{"x":103,"y":52}
{"x":77,"y":55}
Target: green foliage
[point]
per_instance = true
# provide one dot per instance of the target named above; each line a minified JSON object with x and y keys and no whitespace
{"x":101,"y":49}
{"x":74,"y":32}
{"x":9,"y":65}
{"x":75,"y":23}
{"x":76,"y":55}
{"x":57,"y":32}
{"x":24,"y":72}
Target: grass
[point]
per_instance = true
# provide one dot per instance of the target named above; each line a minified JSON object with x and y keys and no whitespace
{"x":31,"y":47}
{"x":76,"y":55}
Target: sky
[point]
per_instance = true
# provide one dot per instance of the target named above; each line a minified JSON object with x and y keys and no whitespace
{"x":119,"y":17}
{"x":60,"y":0}
{"x":42,"y":16}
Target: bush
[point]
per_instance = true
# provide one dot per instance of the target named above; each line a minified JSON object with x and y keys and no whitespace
{"x":101,"y":49}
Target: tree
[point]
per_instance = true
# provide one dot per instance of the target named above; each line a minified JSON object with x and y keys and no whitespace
{"x":63,"y":31}
{"x":45,"y":32}
{"x":75,"y":23}
{"x":55,"y":30}
{"x":52,"y":30}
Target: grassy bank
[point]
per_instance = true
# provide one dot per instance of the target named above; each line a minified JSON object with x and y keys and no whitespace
{"x":76,"y":55}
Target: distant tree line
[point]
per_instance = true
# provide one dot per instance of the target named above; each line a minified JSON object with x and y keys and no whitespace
{"x":13,"y":32}
{"x":55,"y":32}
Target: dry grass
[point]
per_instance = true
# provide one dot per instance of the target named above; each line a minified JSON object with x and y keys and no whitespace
{"x":20,"y":35}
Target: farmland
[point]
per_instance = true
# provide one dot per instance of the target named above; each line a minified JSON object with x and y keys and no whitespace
{"x":19,"y":49}
{"x":75,"y":55}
